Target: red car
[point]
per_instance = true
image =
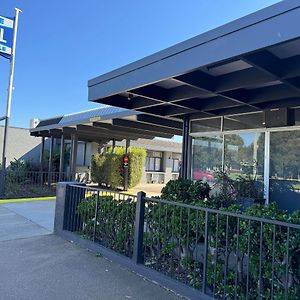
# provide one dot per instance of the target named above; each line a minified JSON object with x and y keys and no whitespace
{"x":203,"y":175}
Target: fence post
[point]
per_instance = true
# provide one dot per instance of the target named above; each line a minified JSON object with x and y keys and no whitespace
{"x":138,"y":256}
{"x":62,"y":204}
{"x":204,"y":282}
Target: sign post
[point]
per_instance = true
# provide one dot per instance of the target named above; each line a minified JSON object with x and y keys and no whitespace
{"x":126,"y":171}
{"x":8,"y":41}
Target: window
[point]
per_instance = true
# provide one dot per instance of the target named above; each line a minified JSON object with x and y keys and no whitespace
{"x":81,"y":154}
{"x":285,"y":169}
{"x":154,"y":161}
{"x":207,"y":157}
{"x":175,"y":165}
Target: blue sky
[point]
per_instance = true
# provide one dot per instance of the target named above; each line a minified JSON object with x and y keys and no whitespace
{"x":63,"y":43}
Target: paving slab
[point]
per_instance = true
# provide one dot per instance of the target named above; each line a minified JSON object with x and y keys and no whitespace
{"x":39,"y":212}
{"x":14,"y":226}
{"x":48,"y":267}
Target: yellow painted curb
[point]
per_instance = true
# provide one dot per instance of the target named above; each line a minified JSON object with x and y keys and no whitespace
{"x":26,"y":200}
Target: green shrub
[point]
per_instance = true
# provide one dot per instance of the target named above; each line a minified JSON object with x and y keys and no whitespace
{"x":115,"y":222}
{"x":185,"y":191}
{"x":114,"y":169}
{"x":108,"y":168}
{"x":174,"y":233}
{"x":136,"y":165}
{"x":97,"y":168}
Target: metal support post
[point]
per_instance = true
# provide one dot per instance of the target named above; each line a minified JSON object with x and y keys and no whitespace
{"x":50,"y":161}
{"x":74,"y":140}
{"x":42,"y":151}
{"x":185,"y":156}
{"x":189,"y":157}
{"x":61,"y":158}
{"x":138,"y":256}
{"x":267,"y":168}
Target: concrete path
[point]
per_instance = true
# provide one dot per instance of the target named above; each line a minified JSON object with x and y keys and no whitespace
{"x":39,"y":212}
{"x":14,"y":226}
{"x":48,"y":267}
{"x":149,"y":189}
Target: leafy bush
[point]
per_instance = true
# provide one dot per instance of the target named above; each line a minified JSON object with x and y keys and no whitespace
{"x":185,"y":191}
{"x":115,"y":222}
{"x":114,"y":167}
{"x":175,"y":237}
{"x":136,"y":165}
{"x":16,"y":172}
{"x":108,"y":168}
{"x":98,"y":168}
{"x":174,"y":241}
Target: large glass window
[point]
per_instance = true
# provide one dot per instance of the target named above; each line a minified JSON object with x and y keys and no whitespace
{"x":238,"y":154}
{"x":241,"y":153}
{"x":285,"y":169}
{"x":244,"y":154}
{"x":207,"y":156}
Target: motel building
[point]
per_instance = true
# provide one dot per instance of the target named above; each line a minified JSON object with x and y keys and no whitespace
{"x":86,"y":133}
{"x":232,"y":93}
{"x":235,"y":91}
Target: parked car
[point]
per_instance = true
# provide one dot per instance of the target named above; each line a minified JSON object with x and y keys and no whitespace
{"x":203,"y":175}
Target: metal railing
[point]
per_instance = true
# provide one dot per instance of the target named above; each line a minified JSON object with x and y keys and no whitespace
{"x":35,"y":177}
{"x":225,"y":255}
{"x":22,"y":183}
{"x":104,"y":216}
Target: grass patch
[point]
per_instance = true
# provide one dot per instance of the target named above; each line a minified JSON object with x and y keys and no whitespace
{"x":2,"y":201}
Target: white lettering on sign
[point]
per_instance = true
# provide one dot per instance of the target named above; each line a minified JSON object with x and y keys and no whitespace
{"x":2,"y":40}
{"x":5,"y":22}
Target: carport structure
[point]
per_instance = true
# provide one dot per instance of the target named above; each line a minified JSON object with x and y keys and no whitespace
{"x":243,"y":76}
{"x":99,"y":125}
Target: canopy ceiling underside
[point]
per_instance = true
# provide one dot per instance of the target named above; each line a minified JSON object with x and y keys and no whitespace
{"x":103,"y":125}
{"x":245,"y":67}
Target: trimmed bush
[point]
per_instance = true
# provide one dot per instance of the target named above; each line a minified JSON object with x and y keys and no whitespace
{"x":113,"y":164}
{"x":136,"y":165}
{"x":97,"y":168}
{"x":108,"y":168}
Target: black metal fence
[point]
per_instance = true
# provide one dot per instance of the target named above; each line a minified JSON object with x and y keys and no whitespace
{"x":223,"y":254}
{"x":35,"y":177}
{"x":103,"y":216}
{"x":22,"y":183}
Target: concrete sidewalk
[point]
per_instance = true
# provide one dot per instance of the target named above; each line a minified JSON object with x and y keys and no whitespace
{"x":48,"y":267}
{"x":38,"y":212}
{"x":14,"y":226}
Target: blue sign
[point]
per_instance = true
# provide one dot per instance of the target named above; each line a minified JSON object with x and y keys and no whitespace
{"x":6,"y":36}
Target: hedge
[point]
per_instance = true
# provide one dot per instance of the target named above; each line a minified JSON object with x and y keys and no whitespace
{"x":108,"y":168}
